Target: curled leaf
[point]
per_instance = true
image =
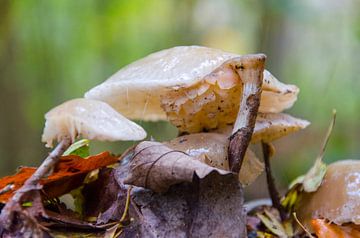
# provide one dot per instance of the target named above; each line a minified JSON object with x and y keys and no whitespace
{"x":324,"y":229}
{"x":212,"y":149}
{"x":157,"y":167}
{"x":315,"y":175}
{"x":272,"y":223}
{"x":80,"y":148}
{"x":68,"y":174}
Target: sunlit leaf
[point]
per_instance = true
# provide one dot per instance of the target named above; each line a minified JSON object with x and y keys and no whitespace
{"x":324,"y":229}
{"x":80,"y":148}
{"x":315,"y":175}
{"x":272,"y":223}
{"x":68,"y":174}
{"x":27,"y":204}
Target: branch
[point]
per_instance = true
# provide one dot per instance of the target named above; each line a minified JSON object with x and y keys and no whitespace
{"x":32,"y":183}
{"x":274,"y":193}
{"x":250,"y":70}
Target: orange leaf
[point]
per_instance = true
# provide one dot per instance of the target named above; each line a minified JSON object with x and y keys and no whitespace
{"x":325,"y":229}
{"x":68,"y":174}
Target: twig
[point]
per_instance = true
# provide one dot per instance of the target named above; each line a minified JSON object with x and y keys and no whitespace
{"x":7,"y":188}
{"x":32,"y":183}
{"x":250,"y":70}
{"x":274,"y":193}
{"x":302,"y":226}
{"x":127,"y":203}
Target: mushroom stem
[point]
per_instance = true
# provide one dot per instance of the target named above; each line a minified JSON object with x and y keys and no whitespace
{"x":250,"y":70}
{"x":32,"y":183}
{"x":274,"y":193}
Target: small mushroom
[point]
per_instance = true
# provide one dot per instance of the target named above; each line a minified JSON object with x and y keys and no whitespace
{"x":187,"y":85}
{"x":91,"y":119}
{"x":337,"y":199}
{"x":212,"y":149}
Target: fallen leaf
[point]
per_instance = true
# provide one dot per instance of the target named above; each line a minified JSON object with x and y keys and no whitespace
{"x":157,"y":167}
{"x":315,"y":175}
{"x":101,"y":194}
{"x":80,"y":148}
{"x":209,"y":207}
{"x":273,"y":223}
{"x":212,"y":149}
{"x":68,"y":174}
{"x":324,"y":229}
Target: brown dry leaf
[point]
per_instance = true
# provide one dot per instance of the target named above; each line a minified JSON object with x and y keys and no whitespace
{"x":324,"y":229}
{"x":212,"y":149}
{"x":209,"y":207}
{"x":157,"y":167}
{"x":68,"y":174}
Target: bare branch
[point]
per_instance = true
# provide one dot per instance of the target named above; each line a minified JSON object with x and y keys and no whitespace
{"x":32,"y":183}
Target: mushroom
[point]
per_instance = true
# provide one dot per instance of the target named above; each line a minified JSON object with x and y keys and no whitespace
{"x":91,"y":119}
{"x":337,"y":199}
{"x":188,"y":85}
{"x":201,"y":89}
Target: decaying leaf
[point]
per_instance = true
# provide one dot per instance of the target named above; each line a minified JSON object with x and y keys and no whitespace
{"x":315,"y":175}
{"x":273,"y":225}
{"x":212,"y":149}
{"x":68,"y":174}
{"x":157,"y":167}
{"x":209,"y":207}
{"x":325,"y":229}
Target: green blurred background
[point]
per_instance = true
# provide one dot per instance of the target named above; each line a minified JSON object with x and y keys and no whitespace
{"x":55,"y":50}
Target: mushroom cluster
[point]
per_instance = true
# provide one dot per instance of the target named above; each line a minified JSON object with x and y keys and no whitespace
{"x":201,"y":90}
{"x":220,"y":102}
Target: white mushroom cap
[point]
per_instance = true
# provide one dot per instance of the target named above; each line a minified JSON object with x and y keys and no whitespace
{"x":338,"y":197}
{"x":91,"y":119}
{"x":135,"y":90}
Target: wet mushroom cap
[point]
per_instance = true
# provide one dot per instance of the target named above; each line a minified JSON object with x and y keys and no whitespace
{"x":92,"y":120}
{"x":271,"y":126}
{"x":338,"y":197}
{"x":178,"y":82}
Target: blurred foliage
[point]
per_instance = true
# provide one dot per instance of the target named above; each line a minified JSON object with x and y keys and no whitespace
{"x":52,"y":51}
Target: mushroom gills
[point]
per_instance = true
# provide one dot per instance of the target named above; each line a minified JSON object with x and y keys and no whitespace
{"x":214,"y":101}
